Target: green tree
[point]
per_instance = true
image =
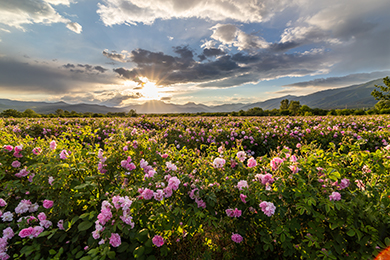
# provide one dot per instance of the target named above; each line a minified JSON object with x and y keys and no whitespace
{"x":30,"y":113}
{"x":11,"y":113}
{"x":284,"y":104}
{"x":294,"y":107}
{"x":59,"y":112}
{"x":132,"y":113}
{"x":384,"y":92}
{"x":382,"y":104}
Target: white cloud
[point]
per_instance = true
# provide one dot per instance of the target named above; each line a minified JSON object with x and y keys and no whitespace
{"x":17,"y":13}
{"x":59,"y":2}
{"x":132,"y":12}
{"x":230,"y":35}
{"x":75,"y":27}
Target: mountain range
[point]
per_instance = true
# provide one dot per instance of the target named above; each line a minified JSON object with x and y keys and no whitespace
{"x":355,"y":96}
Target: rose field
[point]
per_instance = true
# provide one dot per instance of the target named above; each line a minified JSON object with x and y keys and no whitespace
{"x":195,"y":188}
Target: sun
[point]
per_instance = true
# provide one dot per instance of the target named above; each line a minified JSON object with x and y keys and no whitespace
{"x":149,"y":90}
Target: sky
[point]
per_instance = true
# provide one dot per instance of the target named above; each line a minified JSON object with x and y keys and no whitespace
{"x":121,"y":52}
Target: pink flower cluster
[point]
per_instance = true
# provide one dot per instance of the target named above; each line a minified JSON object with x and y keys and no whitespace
{"x":241,"y":156}
{"x":101,"y":164}
{"x":335,"y":196}
{"x":31,"y":232}
{"x":64,"y":155}
{"x":237,"y":238}
{"x":294,"y":168}
{"x":268,"y":208}
{"x":242,"y":184}
{"x":265,"y":179}
{"x":127,"y":164}
{"x":22,"y":173}
{"x":106,"y":215}
{"x":218,"y":163}
{"x":8,"y":234}
{"x":37,"y":150}
{"x":115,"y":240}
{"x":275,"y":163}
{"x":53,"y":145}
{"x":233,"y":213}
{"x":252,"y":162}
{"x":171,"y":166}
{"x":47,"y":204}
{"x":158,"y":240}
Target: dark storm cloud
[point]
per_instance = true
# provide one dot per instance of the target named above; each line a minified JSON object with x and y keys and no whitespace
{"x":41,"y":78}
{"x":209,"y":52}
{"x":86,"y":68}
{"x":224,"y":71}
{"x":340,"y":81}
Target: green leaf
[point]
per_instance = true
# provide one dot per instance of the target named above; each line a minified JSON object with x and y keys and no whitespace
{"x":86,"y":258}
{"x":79,"y":254}
{"x":139,"y":251}
{"x":52,"y":252}
{"x":111,"y":255}
{"x":85,"y":225}
{"x":44,"y":233}
{"x":387,"y":241}
{"x":351,"y":233}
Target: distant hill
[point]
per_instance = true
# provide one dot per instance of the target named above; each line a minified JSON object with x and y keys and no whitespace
{"x":356,"y":96}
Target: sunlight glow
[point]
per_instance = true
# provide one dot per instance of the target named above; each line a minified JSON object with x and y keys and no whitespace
{"x":150,"y":91}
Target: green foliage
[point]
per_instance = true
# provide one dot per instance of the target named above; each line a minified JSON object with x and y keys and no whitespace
{"x":317,"y":154}
{"x":384,"y":91}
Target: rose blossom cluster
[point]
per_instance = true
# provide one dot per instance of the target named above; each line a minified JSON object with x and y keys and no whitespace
{"x":160,"y":194}
{"x":195,"y":196}
{"x":106,"y":215}
{"x":275,"y":163}
{"x":171,"y":166}
{"x":8,"y":234}
{"x":252,"y":162}
{"x":268,"y":208}
{"x":218,"y":163}
{"x":64,"y":154}
{"x":101,"y":164}
{"x":233,"y":213}
{"x":265,"y":179}
{"x":241,"y":156}
{"x":335,"y":196}
{"x":26,"y":205}
{"x":242,"y":184}
{"x":237,"y":238}
{"x":127,"y":164}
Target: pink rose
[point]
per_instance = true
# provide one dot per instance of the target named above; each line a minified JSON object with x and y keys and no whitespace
{"x":237,"y":238}
{"x":47,"y":204}
{"x":16,"y":164}
{"x":158,"y":240}
{"x":115,"y":240}
{"x":26,"y":232}
{"x":252,"y":162}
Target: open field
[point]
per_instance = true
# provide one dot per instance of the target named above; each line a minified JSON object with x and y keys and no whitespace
{"x":225,"y":188}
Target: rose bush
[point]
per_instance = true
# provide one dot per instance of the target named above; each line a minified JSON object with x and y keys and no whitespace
{"x":154,"y":188}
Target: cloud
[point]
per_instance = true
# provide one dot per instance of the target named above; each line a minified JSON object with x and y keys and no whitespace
{"x":132,"y":12}
{"x":17,"y":13}
{"x":341,"y":81}
{"x":41,"y":78}
{"x":75,"y":27}
{"x":225,"y":70}
{"x":231,"y":35}
{"x":59,"y":2}
{"x":120,"y":57}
